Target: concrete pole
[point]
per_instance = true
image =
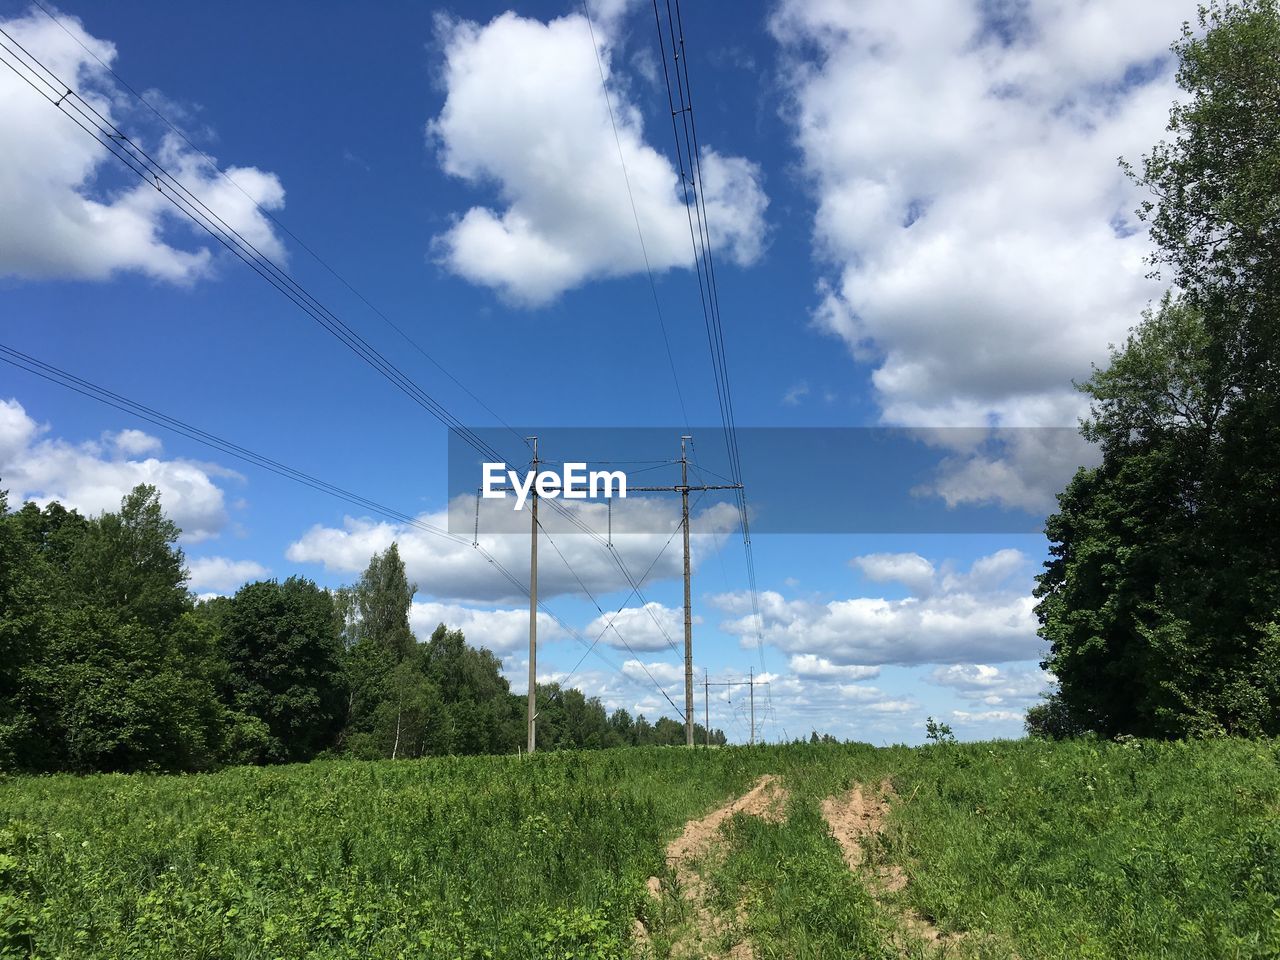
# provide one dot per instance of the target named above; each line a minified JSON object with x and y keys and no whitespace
{"x":533,"y":603}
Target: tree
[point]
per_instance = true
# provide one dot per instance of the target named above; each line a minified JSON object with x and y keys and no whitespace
{"x":1215,"y":216}
{"x":282,"y":646}
{"x":105,"y":666}
{"x":130,"y":562}
{"x":383,"y":599}
{"x":1161,"y":598}
{"x":23,"y":612}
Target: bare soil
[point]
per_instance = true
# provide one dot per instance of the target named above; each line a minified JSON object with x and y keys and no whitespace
{"x":858,"y":817}
{"x":689,"y":851}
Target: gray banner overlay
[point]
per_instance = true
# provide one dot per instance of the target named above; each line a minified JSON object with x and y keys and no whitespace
{"x":796,"y":480}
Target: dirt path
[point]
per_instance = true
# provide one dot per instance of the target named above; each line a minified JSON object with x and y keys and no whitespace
{"x":859,"y":816}
{"x":686,"y":853}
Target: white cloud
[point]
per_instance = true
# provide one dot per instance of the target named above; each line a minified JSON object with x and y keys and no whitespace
{"x":215,"y":576}
{"x":502,"y":631}
{"x":70,"y":209}
{"x":811,"y":667}
{"x":133,"y":443}
{"x":546,"y":146}
{"x":93,"y":479}
{"x":451,"y":569}
{"x":646,"y":628}
{"x":986,"y":614}
{"x":909,"y":569}
{"x":795,"y":393}
{"x":987,"y":716}
{"x":1020,"y":468}
{"x":665,"y":674}
{"x":963,"y":155}
{"x":993,"y":686}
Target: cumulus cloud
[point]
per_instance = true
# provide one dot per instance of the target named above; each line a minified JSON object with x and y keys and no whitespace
{"x":71,"y":210}
{"x":218,"y":576}
{"x":665,"y":674}
{"x":546,"y":147}
{"x":500,"y":630}
{"x":909,"y":569}
{"x":93,"y":477}
{"x":450,"y":568}
{"x":1023,"y":468}
{"x":648,"y":627}
{"x":810,"y":667}
{"x":993,"y":686}
{"x":985,"y":613}
{"x":987,"y":716}
{"x":980,"y":236}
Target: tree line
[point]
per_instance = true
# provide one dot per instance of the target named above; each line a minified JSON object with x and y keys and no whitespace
{"x":109,"y":663}
{"x":1161,"y":601}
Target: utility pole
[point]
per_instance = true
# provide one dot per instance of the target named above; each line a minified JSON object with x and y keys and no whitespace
{"x":533,"y":603}
{"x":688,"y":602}
{"x":706,"y":707}
{"x":683,"y":489}
{"x":750,"y":683}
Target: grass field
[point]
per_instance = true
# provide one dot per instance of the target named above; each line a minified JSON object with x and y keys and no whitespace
{"x":1009,"y":849}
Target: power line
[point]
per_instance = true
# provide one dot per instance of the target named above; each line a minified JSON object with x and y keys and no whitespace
{"x":626,"y":178}
{"x":689,"y":165}
{"x":627,"y":599}
{"x":93,"y":391}
{"x":213,"y":165}
{"x":101,"y":129}
{"x":66,"y":100}
{"x":80,"y":111}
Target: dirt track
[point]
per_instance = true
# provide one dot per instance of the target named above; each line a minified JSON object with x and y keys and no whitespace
{"x":857,"y":817}
{"x":766,"y":799}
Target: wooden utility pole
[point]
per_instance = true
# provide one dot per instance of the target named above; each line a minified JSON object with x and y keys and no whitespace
{"x":533,"y":603}
{"x":683,"y":489}
{"x":751,"y":685}
{"x":688,"y":602}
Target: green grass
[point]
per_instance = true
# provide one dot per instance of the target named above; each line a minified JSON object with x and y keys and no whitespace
{"x":1072,"y":850}
{"x":1084,"y":850}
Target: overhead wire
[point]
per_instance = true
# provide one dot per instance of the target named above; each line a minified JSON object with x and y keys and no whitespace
{"x":689,"y":165}
{"x":105,"y":132}
{"x":91,"y":390}
{"x":213,"y":165}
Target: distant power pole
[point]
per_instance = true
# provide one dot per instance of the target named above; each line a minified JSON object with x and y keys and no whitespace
{"x":750,"y":683}
{"x":533,"y":603}
{"x":706,"y":707}
{"x":683,"y":489}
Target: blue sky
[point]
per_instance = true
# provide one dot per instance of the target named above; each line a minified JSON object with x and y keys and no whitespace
{"x":918,"y":221}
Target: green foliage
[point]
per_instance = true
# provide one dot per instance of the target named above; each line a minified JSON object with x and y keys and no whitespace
{"x":107,"y":663}
{"x":1216,"y":214}
{"x":282,"y":648}
{"x":1077,"y":849}
{"x":1164,"y":586}
{"x":936,"y":731}
{"x":476,"y":857}
{"x":1051,"y":719}
{"x":104,"y":667}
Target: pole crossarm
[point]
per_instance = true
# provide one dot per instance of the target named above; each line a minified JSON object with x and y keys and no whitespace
{"x":682,"y":488}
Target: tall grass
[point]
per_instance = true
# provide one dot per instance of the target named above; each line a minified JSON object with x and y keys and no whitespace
{"x":1089,"y":850}
{"x":1076,"y":850}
